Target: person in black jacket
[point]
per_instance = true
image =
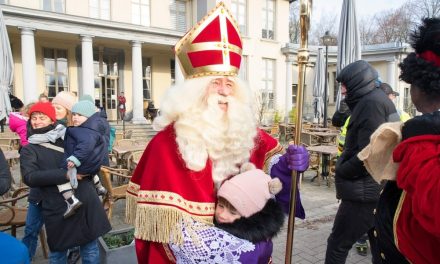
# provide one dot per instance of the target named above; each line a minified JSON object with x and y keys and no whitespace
{"x":357,"y":190}
{"x":40,"y":167}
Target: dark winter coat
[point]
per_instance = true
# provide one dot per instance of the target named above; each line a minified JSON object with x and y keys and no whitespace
{"x":5,"y":174}
{"x":41,"y":171}
{"x":87,"y":144}
{"x":370,"y":107}
{"x":106,"y":126}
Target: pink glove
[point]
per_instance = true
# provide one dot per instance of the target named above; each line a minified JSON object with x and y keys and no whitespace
{"x":297,"y":158}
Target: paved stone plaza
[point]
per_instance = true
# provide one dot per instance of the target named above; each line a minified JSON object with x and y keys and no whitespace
{"x":310,"y":237}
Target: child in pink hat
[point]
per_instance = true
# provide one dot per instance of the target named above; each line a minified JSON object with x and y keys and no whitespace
{"x":246,"y":208}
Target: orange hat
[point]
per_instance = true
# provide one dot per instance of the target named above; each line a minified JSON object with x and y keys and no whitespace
{"x":212,"y":47}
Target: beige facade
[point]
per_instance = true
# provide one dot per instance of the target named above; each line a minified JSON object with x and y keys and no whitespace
{"x":99,"y":47}
{"x":385,"y":58}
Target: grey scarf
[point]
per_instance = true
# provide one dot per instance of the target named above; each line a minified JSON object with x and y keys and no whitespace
{"x":51,"y":136}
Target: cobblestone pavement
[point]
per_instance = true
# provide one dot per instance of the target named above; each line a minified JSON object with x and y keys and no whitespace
{"x":310,"y":237}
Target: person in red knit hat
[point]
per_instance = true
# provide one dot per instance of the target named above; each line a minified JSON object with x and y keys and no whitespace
{"x":40,"y":163}
{"x":407,"y":217}
{"x":207,"y":130}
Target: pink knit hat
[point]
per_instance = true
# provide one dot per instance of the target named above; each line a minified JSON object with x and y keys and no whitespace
{"x":249,"y":191}
{"x":65,"y":99}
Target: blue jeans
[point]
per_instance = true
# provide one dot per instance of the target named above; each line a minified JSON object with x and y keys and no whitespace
{"x":89,"y":254}
{"x":34,"y":222}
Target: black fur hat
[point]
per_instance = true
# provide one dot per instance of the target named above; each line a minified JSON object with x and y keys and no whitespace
{"x":260,"y":226}
{"x":422,"y":67}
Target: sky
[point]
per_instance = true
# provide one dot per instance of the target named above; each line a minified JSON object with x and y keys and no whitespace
{"x":363,"y":7}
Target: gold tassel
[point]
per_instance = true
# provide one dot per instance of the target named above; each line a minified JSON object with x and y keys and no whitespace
{"x":163,"y":224}
{"x":130,"y":209}
{"x":159,"y":224}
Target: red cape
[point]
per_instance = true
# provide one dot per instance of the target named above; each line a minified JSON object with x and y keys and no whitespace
{"x":163,"y":192}
{"x":417,"y":219}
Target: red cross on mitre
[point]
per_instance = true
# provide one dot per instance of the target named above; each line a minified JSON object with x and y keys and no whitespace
{"x":212,"y":47}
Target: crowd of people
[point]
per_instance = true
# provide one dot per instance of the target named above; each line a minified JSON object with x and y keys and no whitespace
{"x":222,"y":179}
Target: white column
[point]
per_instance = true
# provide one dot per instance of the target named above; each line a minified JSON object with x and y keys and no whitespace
{"x":391,"y":73}
{"x":178,"y":72}
{"x":88,"y":78}
{"x":138,"y":103}
{"x":30,"y":92}
{"x":289,"y":60}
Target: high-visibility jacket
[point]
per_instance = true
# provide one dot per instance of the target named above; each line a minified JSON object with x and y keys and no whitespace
{"x":404,"y":116}
{"x":341,"y":136}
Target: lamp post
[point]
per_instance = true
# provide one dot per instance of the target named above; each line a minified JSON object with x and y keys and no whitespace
{"x":327,"y":40}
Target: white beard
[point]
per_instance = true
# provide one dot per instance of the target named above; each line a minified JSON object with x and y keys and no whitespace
{"x":227,"y":138}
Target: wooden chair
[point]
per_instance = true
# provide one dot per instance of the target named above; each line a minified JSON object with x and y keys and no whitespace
{"x":114,"y":193}
{"x":5,"y":147}
{"x":13,"y":216}
{"x":275,"y":131}
{"x":128,"y":134}
{"x":133,"y":159}
{"x":124,"y":142}
{"x":309,"y":139}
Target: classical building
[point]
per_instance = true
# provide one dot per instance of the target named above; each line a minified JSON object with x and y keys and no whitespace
{"x":104,"y":47}
{"x":385,"y":58}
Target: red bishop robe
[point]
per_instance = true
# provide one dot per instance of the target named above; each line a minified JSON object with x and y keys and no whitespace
{"x":163,"y":192}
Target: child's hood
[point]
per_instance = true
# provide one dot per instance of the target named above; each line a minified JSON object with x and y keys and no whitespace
{"x":94,"y":122}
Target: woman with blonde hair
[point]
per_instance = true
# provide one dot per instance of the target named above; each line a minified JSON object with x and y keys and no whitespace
{"x":63,"y":103}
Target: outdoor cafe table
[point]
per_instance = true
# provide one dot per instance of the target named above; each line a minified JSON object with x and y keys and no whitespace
{"x":318,"y":129}
{"x":331,"y":150}
{"x":327,"y":137}
{"x":122,"y":151}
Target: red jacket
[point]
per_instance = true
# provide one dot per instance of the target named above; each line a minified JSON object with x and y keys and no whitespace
{"x":417,"y":226}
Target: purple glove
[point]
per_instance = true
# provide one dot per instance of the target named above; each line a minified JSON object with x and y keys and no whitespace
{"x":297,"y":158}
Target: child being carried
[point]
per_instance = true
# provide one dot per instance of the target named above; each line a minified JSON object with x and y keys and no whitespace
{"x":84,"y":152}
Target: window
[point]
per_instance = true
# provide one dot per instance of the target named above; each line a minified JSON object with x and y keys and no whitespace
{"x":58,"y":6}
{"x":100,"y":9}
{"x":140,"y":12}
{"x":173,"y":71}
{"x":146,"y":78}
{"x":242,"y":73}
{"x":294,"y":93}
{"x":239,"y":11}
{"x":178,"y":15}
{"x":56,"y":71}
{"x":267,"y":87}
{"x":268,"y":17}
{"x":408,"y":106}
{"x":335,"y":88}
